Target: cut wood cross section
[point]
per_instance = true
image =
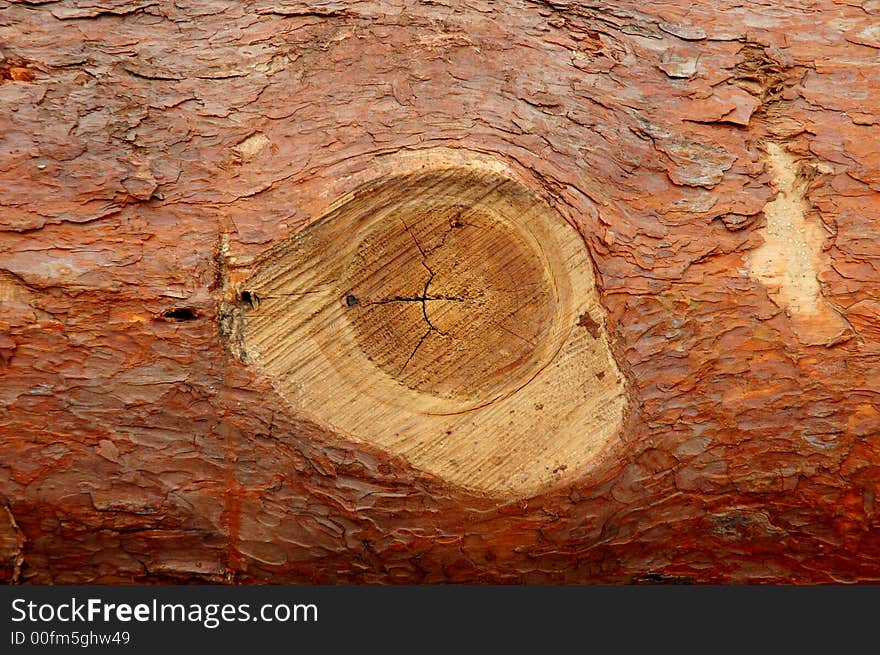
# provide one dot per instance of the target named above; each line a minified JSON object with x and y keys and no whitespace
{"x":448,"y":316}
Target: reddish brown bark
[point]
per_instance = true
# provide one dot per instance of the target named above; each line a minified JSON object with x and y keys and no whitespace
{"x":136,"y":138}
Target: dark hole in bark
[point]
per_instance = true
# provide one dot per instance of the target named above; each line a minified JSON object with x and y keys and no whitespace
{"x":350,"y":301}
{"x":250,"y":299}
{"x":180,"y":314}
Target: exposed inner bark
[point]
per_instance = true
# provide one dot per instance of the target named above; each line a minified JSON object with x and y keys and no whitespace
{"x":788,"y":262}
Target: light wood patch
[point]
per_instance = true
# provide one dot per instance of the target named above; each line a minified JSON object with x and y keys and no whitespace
{"x":790,"y":259}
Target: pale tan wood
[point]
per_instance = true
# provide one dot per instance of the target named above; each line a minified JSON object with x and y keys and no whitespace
{"x":790,"y":260}
{"x":449,"y":316}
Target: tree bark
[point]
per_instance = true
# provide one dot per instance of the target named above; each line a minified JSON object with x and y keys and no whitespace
{"x":720,"y":162}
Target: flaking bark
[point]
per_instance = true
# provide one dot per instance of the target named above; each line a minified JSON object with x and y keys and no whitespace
{"x":136,"y":137}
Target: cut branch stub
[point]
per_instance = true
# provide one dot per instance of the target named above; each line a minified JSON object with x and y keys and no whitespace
{"x":440,"y":315}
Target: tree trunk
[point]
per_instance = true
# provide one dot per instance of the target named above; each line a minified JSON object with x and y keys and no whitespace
{"x":380,"y":291}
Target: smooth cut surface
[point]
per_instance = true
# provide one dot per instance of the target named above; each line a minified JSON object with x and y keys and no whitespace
{"x":450,"y":317}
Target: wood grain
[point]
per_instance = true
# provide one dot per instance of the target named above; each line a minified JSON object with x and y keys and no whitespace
{"x":441,"y":315}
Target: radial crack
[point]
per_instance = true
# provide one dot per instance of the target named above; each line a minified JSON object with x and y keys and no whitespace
{"x":512,"y":333}
{"x":415,"y":241}
{"x":416,"y":299}
{"x":425,"y":304}
{"x":415,"y":350}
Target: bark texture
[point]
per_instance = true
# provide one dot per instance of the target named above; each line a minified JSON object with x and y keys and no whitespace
{"x":148,"y":149}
